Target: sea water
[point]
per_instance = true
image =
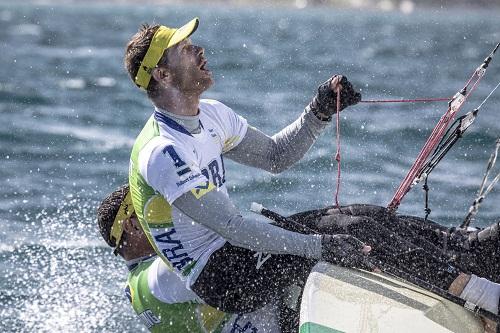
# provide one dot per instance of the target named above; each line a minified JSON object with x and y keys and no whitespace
{"x":69,"y":115}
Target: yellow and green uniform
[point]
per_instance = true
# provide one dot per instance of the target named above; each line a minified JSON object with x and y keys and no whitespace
{"x":164,"y":304}
{"x":173,"y":310}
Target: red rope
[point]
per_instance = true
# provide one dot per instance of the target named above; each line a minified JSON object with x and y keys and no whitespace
{"x":337,"y":154}
{"x":440,"y":99}
{"x":430,"y":145}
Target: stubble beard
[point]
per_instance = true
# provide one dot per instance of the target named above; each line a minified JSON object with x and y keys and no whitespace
{"x":191,"y":81}
{"x":199,"y":85}
{"x":205,"y":83}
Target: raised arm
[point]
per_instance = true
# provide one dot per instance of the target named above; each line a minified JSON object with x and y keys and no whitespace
{"x":277,"y":153}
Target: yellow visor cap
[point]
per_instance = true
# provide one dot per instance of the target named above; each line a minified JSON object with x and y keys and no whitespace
{"x":124,"y":212}
{"x":163,"y":38}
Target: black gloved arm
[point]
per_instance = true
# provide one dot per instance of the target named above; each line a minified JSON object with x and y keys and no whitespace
{"x":345,"y":250}
{"x":324,"y":104}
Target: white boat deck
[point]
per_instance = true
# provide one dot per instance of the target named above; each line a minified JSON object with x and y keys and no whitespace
{"x":338,"y":299}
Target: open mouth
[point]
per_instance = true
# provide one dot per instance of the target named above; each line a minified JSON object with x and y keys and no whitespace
{"x":203,"y":66}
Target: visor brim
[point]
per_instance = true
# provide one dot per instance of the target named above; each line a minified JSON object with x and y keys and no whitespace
{"x":183,"y":32}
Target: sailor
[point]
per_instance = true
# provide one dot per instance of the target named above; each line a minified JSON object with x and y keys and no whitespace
{"x":177,"y":178}
{"x":159,"y":298}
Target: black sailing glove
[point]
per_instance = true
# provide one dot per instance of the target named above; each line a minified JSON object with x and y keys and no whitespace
{"x":469,"y":240}
{"x":324,"y":104}
{"x":344,"y":250}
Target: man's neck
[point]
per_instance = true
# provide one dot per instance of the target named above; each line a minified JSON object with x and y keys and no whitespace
{"x":131,"y":253}
{"x":178,"y":102}
{"x":190,"y":123}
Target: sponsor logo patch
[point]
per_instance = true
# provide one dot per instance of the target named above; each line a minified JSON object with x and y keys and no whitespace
{"x":173,"y":249}
{"x":184,"y":181}
{"x":239,"y":327}
{"x":201,"y":190}
{"x":148,"y":318}
{"x":261,"y":259}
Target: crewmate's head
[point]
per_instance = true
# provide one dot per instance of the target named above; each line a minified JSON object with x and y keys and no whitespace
{"x":120,"y":227}
{"x":160,"y":58}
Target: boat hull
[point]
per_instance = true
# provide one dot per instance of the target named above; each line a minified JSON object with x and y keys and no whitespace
{"x":338,"y":299}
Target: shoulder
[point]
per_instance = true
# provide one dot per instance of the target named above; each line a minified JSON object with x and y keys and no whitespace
{"x":220,"y":113}
{"x":213,"y":104}
{"x":156,"y":146}
{"x":163,"y":153}
{"x":214,"y":108}
{"x":161,"y":148}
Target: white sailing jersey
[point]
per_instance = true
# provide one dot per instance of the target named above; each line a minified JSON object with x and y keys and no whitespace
{"x":168,"y":161}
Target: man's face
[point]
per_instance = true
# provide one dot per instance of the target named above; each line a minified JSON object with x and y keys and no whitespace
{"x":135,"y":236}
{"x":187,"y":66}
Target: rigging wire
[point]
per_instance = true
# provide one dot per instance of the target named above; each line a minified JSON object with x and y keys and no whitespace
{"x":414,"y":174}
{"x":337,"y":154}
{"x":458,"y":128}
{"x":416,"y":100}
{"x":439,"y":140}
{"x":487,"y":97}
{"x":482,"y":193}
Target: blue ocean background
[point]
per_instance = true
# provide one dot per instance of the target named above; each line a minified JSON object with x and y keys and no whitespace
{"x":70,"y":114}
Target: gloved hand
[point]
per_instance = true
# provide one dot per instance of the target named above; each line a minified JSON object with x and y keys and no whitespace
{"x":469,"y":240}
{"x":344,"y":250}
{"x":489,"y":234}
{"x":324,"y":104}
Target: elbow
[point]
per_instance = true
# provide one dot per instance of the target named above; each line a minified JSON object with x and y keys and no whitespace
{"x":277,"y":166}
{"x":277,"y":159}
